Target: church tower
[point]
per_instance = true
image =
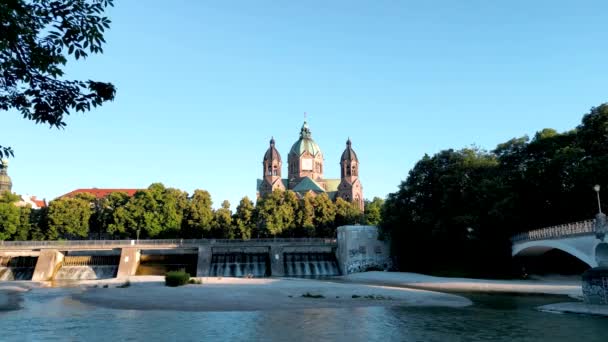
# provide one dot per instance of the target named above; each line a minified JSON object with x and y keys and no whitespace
{"x":272,"y":164}
{"x":350,"y":188}
{"x":305,"y":159}
{"x":5,"y":181}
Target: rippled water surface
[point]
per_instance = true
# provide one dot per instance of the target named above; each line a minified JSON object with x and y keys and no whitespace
{"x":51,"y":315}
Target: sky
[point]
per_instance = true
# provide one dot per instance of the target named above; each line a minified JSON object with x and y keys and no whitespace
{"x":202,"y":86}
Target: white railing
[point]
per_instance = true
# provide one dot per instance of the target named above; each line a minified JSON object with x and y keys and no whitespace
{"x":557,"y":232}
{"x":163,"y":242}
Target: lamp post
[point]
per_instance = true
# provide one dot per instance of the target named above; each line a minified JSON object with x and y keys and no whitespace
{"x":138,"y":235}
{"x":597,"y":191}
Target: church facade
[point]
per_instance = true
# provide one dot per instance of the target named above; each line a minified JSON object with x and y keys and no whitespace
{"x":305,"y":167}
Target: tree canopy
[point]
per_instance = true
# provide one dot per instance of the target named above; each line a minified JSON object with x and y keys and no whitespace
{"x":37,"y":37}
{"x":464,"y":205}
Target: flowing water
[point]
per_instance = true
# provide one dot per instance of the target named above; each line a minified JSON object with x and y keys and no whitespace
{"x":51,"y":315}
{"x":17,"y":268}
{"x":310,"y":265}
{"x":88,"y":267}
{"x":239,"y":265}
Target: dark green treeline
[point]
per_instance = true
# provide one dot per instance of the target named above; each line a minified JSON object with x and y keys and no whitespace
{"x":457,"y":209}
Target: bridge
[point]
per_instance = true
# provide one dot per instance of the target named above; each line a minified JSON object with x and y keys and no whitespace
{"x":577,"y":239}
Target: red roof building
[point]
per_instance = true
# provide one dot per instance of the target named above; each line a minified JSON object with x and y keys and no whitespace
{"x":99,"y":193}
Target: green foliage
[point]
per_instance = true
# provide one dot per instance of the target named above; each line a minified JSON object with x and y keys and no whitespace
{"x":177,"y":278}
{"x":468,"y":203}
{"x":199,"y":215}
{"x":9,"y":220}
{"x":222,"y":222}
{"x":69,"y":218}
{"x":373,"y":211}
{"x":325,"y":214}
{"x":36,"y":39}
{"x":243,"y":218}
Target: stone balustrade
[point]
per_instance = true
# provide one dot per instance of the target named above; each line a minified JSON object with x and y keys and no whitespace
{"x":557,"y":232}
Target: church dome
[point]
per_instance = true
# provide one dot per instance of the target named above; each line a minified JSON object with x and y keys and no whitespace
{"x":5,"y":181}
{"x":272,"y":153}
{"x":349,"y":153}
{"x":305,"y":143}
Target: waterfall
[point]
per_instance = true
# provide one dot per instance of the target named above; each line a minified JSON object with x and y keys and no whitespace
{"x":17,"y":268}
{"x":310,"y":265}
{"x":88,"y":267}
{"x":239,"y":265}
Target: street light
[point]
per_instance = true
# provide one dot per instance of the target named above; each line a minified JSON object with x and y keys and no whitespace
{"x":597,"y":191}
{"x":138,"y":235}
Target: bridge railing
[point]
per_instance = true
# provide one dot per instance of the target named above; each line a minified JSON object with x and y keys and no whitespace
{"x":158,"y":242}
{"x":556,"y":232}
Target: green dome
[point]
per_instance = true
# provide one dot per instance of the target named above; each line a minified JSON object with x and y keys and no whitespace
{"x":305,"y":143}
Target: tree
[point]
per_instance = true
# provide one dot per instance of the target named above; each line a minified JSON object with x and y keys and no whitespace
{"x":275,"y":213}
{"x":347,"y":213}
{"x":24,"y":229}
{"x":222,"y":222}
{"x":373,"y":211}
{"x":243,"y":218}
{"x":325,"y":215}
{"x":69,"y":217}
{"x":36,"y":39}
{"x":9,"y":215}
{"x":305,"y":216}
{"x":198,"y":215}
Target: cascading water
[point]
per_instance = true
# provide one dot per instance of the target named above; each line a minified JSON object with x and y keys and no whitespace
{"x":240,"y":265}
{"x":310,"y":265}
{"x":17,"y":268}
{"x":88,"y":267}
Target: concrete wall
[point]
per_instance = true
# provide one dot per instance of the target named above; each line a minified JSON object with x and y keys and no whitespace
{"x":360,"y":249}
{"x":129,"y":260}
{"x":48,"y":262}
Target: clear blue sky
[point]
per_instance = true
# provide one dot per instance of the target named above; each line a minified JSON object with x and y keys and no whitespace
{"x":203,"y":85}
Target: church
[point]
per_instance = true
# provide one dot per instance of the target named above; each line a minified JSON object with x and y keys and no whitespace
{"x":305,"y":171}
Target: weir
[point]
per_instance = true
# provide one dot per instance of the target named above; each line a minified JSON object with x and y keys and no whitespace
{"x":88,"y":267}
{"x":159,"y":264}
{"x":310,"y":265}
{"x":97,"y":259}
{"x":240,"y":265}
{"x":17,"y":268}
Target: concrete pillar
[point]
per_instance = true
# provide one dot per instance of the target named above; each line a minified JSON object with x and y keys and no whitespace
{"x":203,"y":263}
{"x":277,"y":267}
{"x":129,"y":260}
{"x":48,"y":263}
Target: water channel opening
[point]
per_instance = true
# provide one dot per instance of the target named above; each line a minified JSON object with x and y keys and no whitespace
{"x":310,"y":265}
{"x":552,"y":263}
{"x":88,"y":267}
{"x":239,"y":264}
{"x":17,"y":268}
{"x":159,"y":264}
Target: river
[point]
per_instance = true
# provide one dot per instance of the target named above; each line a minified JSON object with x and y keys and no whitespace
{"x":49,"y":314}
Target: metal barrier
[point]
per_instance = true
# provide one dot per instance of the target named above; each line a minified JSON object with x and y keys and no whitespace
{"x":557,"y":232}
{"x":163,"y":242}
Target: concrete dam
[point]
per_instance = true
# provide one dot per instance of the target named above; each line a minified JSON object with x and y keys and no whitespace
{"x":356,"y":248}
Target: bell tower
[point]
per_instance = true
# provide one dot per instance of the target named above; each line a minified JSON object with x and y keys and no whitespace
{"x":350,"y":188}
{"x":272,"y":164}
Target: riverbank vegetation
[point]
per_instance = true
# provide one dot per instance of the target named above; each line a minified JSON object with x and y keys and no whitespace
{"x":457,"y":209}
{"x":159,"y":212}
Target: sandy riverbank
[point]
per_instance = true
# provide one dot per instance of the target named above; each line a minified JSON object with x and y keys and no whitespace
{"x":236,"y":294}
{"x":421,"y":281}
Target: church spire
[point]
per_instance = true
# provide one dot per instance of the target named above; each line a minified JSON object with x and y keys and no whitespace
{"x":5,"y":181}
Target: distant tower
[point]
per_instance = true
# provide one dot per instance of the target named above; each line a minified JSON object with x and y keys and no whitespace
{"x":272,"y":164}
{"x":5,"y":181}
{"x":350,"y":188}
{"x":305,"y":158}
